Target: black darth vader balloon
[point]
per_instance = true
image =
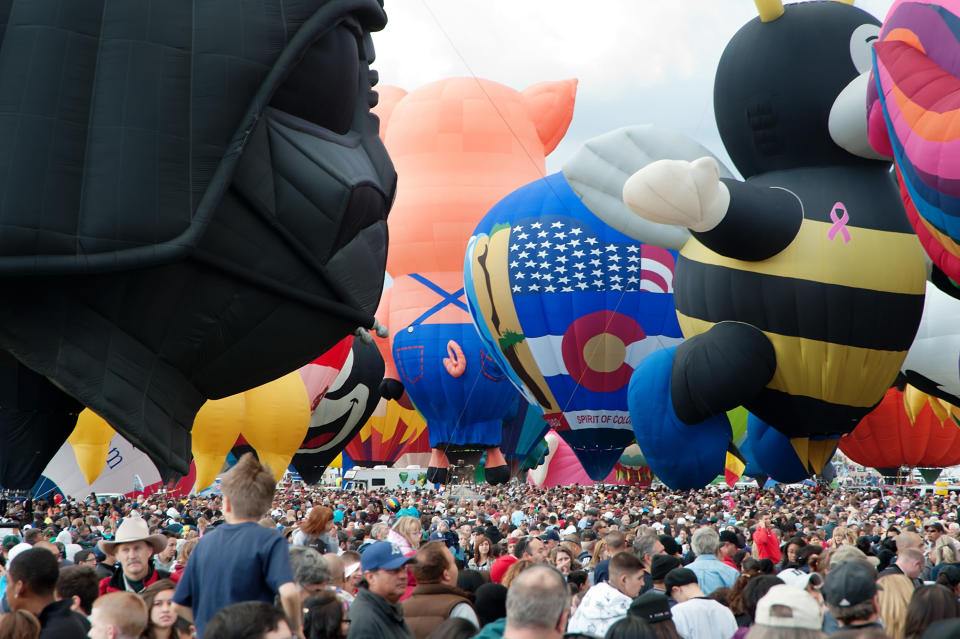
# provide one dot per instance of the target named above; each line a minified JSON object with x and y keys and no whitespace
{"x":186,"y":213}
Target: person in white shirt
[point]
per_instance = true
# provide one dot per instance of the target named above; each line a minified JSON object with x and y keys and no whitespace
{"x":607,"y":602}
{"x":697,"y":616}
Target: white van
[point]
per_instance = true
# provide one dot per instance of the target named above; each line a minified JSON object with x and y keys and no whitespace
{"x":410,"y":478}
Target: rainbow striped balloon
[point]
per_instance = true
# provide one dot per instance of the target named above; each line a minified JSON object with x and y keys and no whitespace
{"x":914,"y":116}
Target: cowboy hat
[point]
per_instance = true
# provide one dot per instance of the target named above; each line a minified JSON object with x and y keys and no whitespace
{"x":130,"y":530}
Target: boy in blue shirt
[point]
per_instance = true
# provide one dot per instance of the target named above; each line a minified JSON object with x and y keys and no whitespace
{"x":240,"y":560}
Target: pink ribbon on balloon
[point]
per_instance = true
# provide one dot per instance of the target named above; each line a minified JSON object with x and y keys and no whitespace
{"x":839,"y":223}
{"x":455,"y":362}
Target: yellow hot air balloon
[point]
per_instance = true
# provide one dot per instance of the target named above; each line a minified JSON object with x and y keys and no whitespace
{"x":276,"y":421}
{"x":90,"y":440}
{"x":215,"y":429}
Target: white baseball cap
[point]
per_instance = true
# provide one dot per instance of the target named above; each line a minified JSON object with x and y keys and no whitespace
{"x":16,"y":550}
{"x":798,"y":578}
{"x":802,"y":610}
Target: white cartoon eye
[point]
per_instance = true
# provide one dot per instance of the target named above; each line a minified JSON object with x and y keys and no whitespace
{"x":861,"y":46}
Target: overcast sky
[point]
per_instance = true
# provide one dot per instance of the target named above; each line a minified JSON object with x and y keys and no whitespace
{"x":638,"y":61}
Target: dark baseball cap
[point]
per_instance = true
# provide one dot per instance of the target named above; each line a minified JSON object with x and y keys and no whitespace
{"x":848,"y":584}
{"x":660,"y":565}
{"x":550,"y":535}
{"x":679,"y":577}
{"x":652,"y":607}
{"x":731,"y":537}
{"x":670,"y":545}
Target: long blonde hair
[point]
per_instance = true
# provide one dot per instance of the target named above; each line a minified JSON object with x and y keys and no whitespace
{"x":944,"y":550}
{"x":893,"y":601}
{"x":409,"y":528}
{"x":597,"y":553}
{"x":843,"y":534}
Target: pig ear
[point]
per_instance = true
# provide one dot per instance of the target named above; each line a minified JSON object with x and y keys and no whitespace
{"x":550,"y":106}
{"x":389,"y":97}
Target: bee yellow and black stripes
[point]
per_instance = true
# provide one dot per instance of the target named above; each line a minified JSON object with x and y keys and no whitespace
{"x":796,"y":308}
{"x":820,"y":303}
{"x":873,"y":259}
{"x":802,"y":367}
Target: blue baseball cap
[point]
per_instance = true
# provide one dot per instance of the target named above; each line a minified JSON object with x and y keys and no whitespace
{"x":383,"y":555}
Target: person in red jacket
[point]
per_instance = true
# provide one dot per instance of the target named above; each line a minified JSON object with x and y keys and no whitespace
{"x":765,"y":540}
{"x":134,"y":547}
{"x":729,"y":545}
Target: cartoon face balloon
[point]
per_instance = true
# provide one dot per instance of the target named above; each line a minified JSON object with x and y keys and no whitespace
{"x":343,"y":410}
{"x":933,"y":362}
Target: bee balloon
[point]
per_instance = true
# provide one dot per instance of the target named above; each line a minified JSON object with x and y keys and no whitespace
{"x":801,"y":287}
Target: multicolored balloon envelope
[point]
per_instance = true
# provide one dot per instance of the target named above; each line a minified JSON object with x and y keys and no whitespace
{"x":342,"y":412}
{"x":907,"y":429}
{"x":383,"y":438}
{"x":914,"y":115}
{"x":561,"y":467}
{"x":569,"y":306}
{"x":523,"y":429}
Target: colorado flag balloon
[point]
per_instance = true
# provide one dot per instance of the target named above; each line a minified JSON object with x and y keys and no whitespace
{"x":569,"y":306}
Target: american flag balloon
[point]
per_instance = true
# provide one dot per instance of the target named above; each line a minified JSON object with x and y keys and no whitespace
{"x":570,"y":306}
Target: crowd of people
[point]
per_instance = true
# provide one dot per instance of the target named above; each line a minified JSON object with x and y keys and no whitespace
{"x":510,"y":561}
